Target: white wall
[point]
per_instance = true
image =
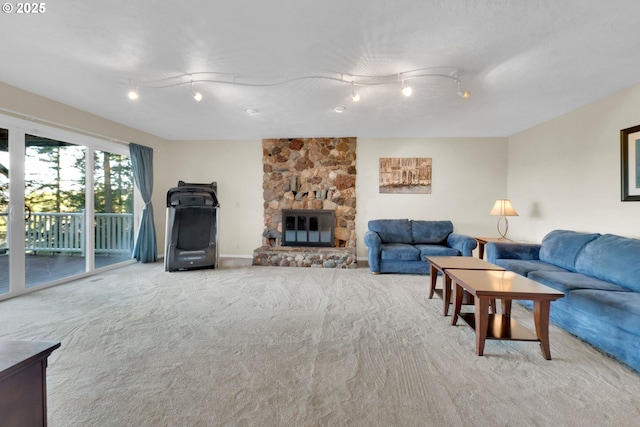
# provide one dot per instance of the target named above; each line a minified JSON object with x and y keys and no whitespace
{"x":237,"y":168}
{"x":468,"y":175}
{"x":565,"y":173}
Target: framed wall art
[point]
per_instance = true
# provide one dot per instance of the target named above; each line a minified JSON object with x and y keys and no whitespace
{"x":405,"y":175}
{"x":630,"y":164}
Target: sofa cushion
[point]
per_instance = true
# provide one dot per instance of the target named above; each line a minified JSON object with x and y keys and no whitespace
{"x":399,"y":251}
{"x":524,"y":266}
{"x":561,"y":247}
{"x":392,"y":230}
{"x":431,"y":232}
{"x":569,"y":281}
{"x":512,"y":250}
{"x":621,"y":309}
{"x":436,"y":250}
{"x":614,"y":259}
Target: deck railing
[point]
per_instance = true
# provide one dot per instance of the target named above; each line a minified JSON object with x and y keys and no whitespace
{"x":114,"y":233}
{"x":63,"y":232}
{"x":55,"y":232}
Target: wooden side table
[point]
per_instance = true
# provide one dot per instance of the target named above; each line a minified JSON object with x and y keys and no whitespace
{"x":484,"y":240}
{"x":23,"y":387}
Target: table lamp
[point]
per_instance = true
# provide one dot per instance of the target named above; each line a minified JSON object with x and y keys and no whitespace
{"x":503,"y":209}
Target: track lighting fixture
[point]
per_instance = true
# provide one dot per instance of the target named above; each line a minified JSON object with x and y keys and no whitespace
{"x":257,"y":81}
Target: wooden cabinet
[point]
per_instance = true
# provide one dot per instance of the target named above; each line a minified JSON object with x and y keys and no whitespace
{"x":23,"y":385}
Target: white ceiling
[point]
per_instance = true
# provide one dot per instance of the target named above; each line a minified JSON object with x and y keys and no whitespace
{"x":525,"y":61}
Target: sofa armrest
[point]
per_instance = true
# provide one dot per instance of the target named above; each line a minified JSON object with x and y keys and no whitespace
{"x":463,"y":243}
{"x":512,"y":250}
{"x":374,"y":243}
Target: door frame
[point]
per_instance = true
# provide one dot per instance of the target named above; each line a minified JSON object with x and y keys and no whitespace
{"x":18,"y":128}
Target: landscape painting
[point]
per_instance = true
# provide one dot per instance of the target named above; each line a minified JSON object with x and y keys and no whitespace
{"x":405,"y":175}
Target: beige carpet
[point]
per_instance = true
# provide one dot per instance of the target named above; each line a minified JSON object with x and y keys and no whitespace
{"x":267,"y":346}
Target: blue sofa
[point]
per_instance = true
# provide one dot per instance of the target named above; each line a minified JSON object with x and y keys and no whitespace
{"x":400,"y":245}
{"x":600,"y":277}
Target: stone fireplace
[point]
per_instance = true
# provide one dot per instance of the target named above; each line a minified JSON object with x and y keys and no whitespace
{"x":303,"y":175}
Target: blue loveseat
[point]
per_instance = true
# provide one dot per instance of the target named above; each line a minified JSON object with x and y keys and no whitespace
{"x":400,"y":245}
{"x":600,"y":277}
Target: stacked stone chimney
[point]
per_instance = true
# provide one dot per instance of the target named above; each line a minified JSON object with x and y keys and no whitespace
{"x":310,"y":173}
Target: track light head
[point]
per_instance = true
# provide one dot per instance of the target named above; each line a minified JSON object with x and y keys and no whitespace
{"x":354,"y":95}
{"x":406,"y":90}
{"x":133,"y":94}
{"x":196,"y":95}
{"x":464,"y":94}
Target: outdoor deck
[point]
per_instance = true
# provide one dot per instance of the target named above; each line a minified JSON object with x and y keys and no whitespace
{"x":45,"y":268}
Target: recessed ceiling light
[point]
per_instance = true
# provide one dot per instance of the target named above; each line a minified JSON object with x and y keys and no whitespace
{"x":133,"y":95}
{"x":251,"y":111}
{"x":339,"y":108}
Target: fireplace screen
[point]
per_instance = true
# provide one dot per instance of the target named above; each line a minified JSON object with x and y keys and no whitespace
{"x":307,"y":227}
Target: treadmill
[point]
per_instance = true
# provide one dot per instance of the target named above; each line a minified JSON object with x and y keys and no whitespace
{"x":191,"y":240}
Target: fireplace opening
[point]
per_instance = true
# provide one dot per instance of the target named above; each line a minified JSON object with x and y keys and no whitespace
{"x":307,"y":227}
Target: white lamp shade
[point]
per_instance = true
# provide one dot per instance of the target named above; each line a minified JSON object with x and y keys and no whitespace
{"x":502,"y":207}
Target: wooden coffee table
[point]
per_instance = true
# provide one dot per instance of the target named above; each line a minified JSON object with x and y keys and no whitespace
{"x":504,"y":285}
{"x":443,"y":264}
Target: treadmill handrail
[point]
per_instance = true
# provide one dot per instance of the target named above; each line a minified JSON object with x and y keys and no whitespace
{"x":191,"y":190}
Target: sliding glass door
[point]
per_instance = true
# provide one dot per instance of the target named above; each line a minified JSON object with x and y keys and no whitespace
{"x":55,"y":210}
{"x":4,"y":211}
{"x":113,"y":205}
{"x":66,"y":206}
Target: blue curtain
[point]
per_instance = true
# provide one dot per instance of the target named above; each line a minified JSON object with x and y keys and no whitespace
{"x":146,"y":248}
